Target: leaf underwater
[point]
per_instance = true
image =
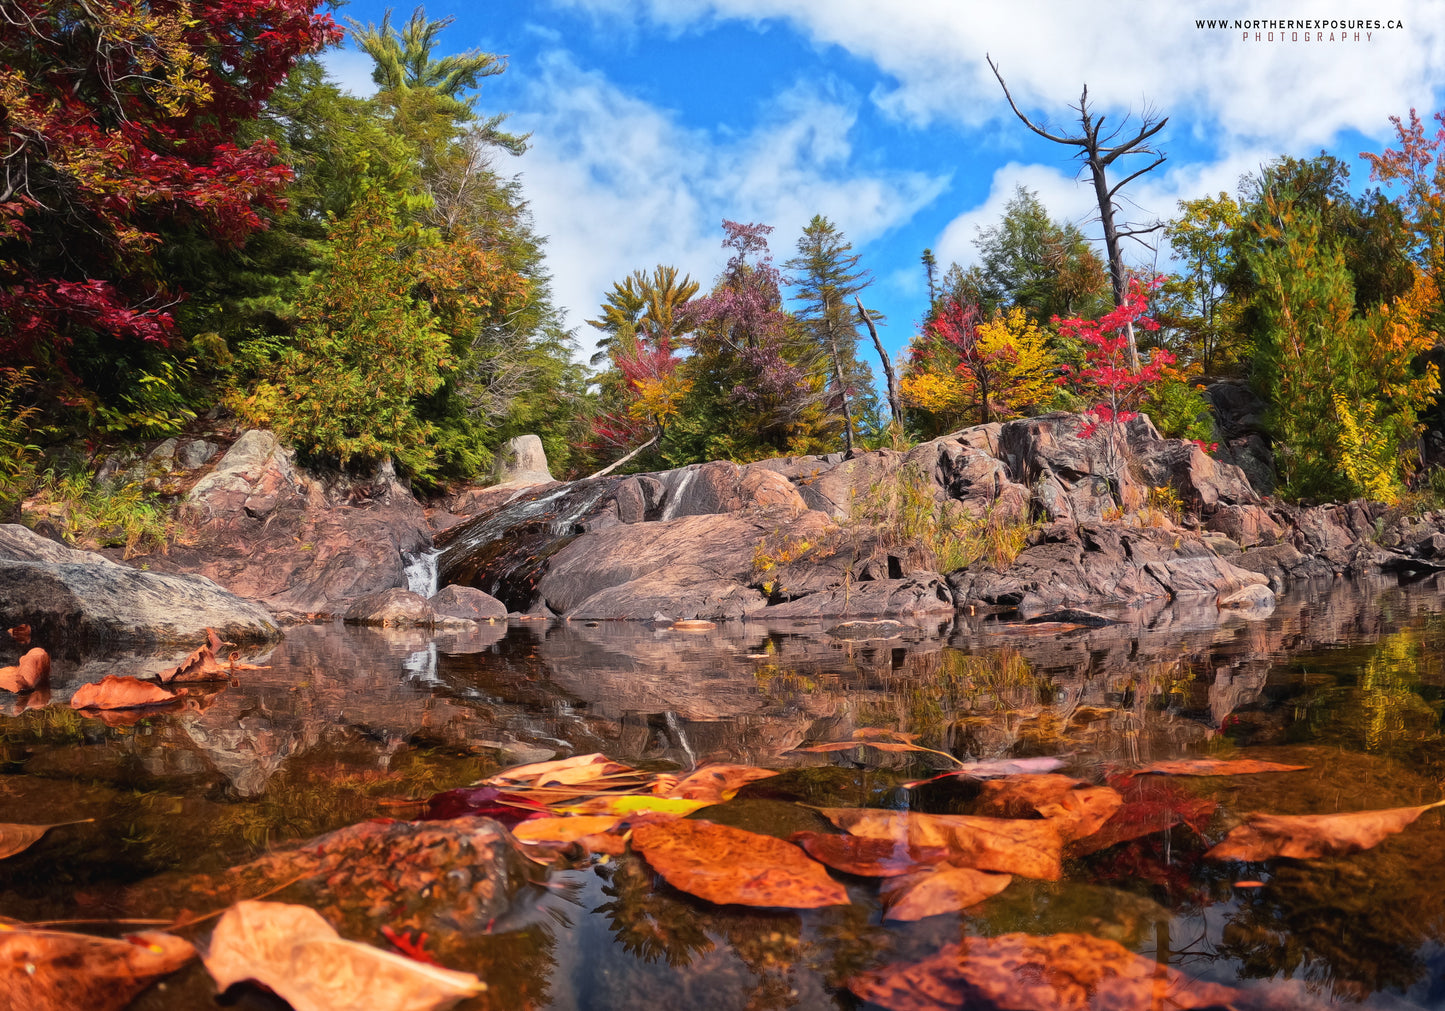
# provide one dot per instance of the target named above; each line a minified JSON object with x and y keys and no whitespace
{"x":18,"y":838}
{"x":729,"y":866}
{"x":1150,"y":805}
{"x":1077,"y":808}
{"x":994,"y":767}
{"x":293,"y":951}
{"x":866,"y":857}
{"x":1024,"y":972}
{"x":717,"y":782}
{"x":1306,"y":836}
{"x":939,"y":890}
{"x":1031,"y":849}
{"x":53,"y":970}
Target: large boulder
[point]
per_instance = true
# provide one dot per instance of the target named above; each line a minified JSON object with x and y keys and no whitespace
{"x":521,"y":461}
{"x":78,"y":597}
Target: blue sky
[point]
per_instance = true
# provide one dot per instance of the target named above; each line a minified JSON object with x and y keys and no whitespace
{"x":652,"y":120}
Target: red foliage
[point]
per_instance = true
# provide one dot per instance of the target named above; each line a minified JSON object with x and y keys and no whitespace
{"x":119,"y":120}
{"x":1107,"y":373}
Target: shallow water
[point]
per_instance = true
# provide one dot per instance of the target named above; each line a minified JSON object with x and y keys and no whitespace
{"x":347,"y":723}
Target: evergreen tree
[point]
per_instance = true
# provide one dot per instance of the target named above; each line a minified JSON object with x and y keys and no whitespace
{"x":826,"y":278}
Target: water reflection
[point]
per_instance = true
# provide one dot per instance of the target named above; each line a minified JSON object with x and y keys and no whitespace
{"x":347,"y":723}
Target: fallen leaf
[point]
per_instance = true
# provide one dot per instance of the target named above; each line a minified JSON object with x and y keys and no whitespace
{"x":115,"y":692}
{"x":293,"y":951}
{"x":481,"y":801}
{"x":693,"y":625}
{"x":635,"y":803}
{"x":1150,"y":805}
{"x":20,"y":633}
{"x":1031,"y":849}
{"x":1024,"y":972}
{"x":576,"y":771}
{"x":1305,"y":836}
{"x":727,"y":865}
{"x":33,"y":671}
{"x":883,"y":734}
{"x":53,"y":970}
{"x":1215,"y":767}
{"x":995,"y":767}
{"x":564,"y":830}
{"x":869,"y":858}
{"x":937,"y":891}
{"x":717,"y":782}
{"x":412,"y":945}
{"x":18,"y":838}
{"x":1079,"y":809}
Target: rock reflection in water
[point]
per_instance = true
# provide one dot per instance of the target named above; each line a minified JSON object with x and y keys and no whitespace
{"x":1347,"y":679}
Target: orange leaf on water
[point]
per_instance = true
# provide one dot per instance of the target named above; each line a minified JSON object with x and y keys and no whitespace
{"x":1150,"y":805}
{"x":564,"y":830}
{"x":579,"y":770}
{"x":33,"y":671}
{"x":293,"y":951}
{"x":1024,"y":972}
{"x":115,"y":692}
{"x":939,"y":890}
{"x":717,"y":782}
{"x":53,"y":970}
{"x":20,"y":633}
{"x":869,"y":858}
{"x":1215,"y":767}
{"x":727,"y":865}
{"x":1303,"y":837}
{"x":1031,"y":849}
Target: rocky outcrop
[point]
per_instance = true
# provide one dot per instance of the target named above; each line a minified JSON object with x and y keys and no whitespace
{"x":67,"y":595}
{"x":521,"y":461}
{"x":299,"y":543}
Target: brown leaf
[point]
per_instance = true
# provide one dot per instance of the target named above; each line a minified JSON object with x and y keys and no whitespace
{"x":993,"y":767}
{"x":564,"y":830}
{"x":938,"y":891}
{"x":295,"y":952}
{"x":693,"y":625}
{"x":1302,"y":837}
{"x":1216,"y":767}
{"x":115,"y":692}
{"x":18,"y":838}
{"x":1023,"y":972}
{"x":727,"y":865}
{"x":883,"y":734}
{"x":1079,"y":809}
{"x":52,"y":970}
{"x":20,"y":633}
{"x":579,"y":770}
{"x":717,"y":782}
{"x":1032,"y":849}
{"x":869,"y":858}
{"x":33,"y":671}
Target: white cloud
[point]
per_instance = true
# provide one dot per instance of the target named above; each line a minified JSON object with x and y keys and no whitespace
{"x":351,"y":70}
{"x":1291,"y":94}
{"x":618,"y":184}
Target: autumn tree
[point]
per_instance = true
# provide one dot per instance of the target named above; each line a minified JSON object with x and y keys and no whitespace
{"x":120,"y":129}
{"x":968,"y":369}
{"x":1200,"y":308}
{"x":751,"y":395}
{"x":1100,"y":150}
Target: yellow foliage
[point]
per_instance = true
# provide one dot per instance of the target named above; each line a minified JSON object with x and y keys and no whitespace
{"x":1366,"y":454}
{"x":658,"y":399}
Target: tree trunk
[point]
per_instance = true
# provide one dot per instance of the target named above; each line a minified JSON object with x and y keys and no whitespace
{"x":895,"y":406}
{"x":618,"y":463}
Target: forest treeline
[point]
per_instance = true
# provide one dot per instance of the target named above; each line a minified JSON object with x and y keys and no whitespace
{"x":196,"y":223}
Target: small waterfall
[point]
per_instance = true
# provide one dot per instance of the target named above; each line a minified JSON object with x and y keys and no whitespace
{"x":674,"y":499}
{"x":680,"y":736}
{"x":421,"y":572}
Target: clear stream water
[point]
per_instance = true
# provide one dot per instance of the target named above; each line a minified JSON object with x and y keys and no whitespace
{"x":1348,"y":679}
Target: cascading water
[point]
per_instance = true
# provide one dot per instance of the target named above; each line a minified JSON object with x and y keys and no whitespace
{"x":421,"y":572}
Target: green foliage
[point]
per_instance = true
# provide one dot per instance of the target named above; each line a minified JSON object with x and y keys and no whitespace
{"x":17,"y":452}
{"x":94,"y":515}
{"x":344,"y":389}
{"x":1180,"y":411}
{"x":1343,"y":390}
{"x":1198,"y":311}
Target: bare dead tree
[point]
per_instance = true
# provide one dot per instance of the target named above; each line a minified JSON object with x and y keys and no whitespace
{"x":1099,"y":151}
{"x":895,"y":405}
